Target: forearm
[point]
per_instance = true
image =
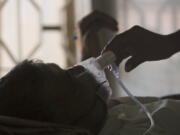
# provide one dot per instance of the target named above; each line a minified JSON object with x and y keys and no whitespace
{"x":175,"y":40}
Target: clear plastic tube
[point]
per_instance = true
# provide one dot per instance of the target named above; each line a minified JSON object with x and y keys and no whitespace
{"x":113,"y":68}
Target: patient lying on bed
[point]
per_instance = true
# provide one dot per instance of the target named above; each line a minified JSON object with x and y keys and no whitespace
{"x":47,"y":93}
{"x":34,"y":90}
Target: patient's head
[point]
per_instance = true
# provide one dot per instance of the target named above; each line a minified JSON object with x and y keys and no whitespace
{"x":45,"y":92}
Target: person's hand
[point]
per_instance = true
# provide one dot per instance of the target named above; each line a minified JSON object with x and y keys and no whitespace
{"x":96,"y":21}
{"x":142,"y":45}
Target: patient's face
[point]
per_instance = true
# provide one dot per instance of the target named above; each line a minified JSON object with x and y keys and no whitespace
{"x":87,"y":100}
{"x":80,"y":98}
{"x":73,"y":100}
{"x":84,"y":88}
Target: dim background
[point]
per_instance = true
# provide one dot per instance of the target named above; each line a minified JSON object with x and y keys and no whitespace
{"x":43,"y":29}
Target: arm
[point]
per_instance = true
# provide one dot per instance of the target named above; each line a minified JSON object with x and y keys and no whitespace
{"x":175,"y":39}
{"x":143,"y":45}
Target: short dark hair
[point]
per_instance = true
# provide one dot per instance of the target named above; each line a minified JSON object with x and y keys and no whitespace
{"x":21,"y":91}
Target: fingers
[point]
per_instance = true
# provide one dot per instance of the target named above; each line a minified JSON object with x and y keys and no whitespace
{"x":116,"y":44}
{"x":123,"y":55}
{"x":132,"y":63}
{"x":120,"y":48}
